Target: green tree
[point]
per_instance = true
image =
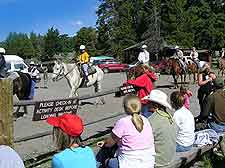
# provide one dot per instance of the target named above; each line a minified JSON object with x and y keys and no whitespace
{"x":20,"y":44}
{"x":38,"y":44}
{"x":86,"y":36}
{"x":51,"y":44}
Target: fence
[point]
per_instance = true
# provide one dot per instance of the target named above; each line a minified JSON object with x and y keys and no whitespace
{"x":6,"y":108}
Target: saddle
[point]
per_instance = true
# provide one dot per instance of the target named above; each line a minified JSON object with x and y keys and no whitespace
{"x":91,"y":70}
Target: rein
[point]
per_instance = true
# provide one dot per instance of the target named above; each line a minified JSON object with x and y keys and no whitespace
{"x":64,"y":75}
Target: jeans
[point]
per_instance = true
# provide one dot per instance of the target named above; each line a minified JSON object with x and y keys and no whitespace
{"x":85,"y":69}
{"x":180,"y":148}
{"x":218,"y":127}
{"x":145,"y":112}
{"x":113,"y":163}
{"x":32,"y":90}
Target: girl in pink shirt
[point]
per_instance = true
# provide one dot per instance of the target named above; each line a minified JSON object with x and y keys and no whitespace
{"x":187,"y":94}
{"x":133,"y":134}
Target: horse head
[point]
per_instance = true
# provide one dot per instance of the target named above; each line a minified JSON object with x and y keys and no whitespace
{"x":135,"y":72}
{"x":58,"y":71}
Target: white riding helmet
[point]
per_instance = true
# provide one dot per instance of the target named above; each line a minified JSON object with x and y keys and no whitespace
{"x":144,"y":46}
{"x":2,"y":51}
{"x":177,"y":47}
{"x":82,"y":47}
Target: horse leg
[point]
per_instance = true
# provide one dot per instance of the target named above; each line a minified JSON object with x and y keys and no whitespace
{"x":175,"y":81}
{"x":101,"y":99}
{"x":25,"y":111}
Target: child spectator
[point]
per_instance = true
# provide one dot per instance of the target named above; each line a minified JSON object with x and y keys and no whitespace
{"x":8,"y":157}
{"x":187,"y":94}
{"x":133,"y":135}
{"x":185,"y":123}
{"x":144,"y":83}
{"x":67,"y":129}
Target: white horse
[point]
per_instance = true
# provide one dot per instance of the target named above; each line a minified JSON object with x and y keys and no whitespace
{"x":72,"y":74}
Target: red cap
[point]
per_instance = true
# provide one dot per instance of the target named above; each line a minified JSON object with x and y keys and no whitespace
{"x":69,"y":123}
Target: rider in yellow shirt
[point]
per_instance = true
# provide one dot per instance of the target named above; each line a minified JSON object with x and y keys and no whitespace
{"x":84,"y":60}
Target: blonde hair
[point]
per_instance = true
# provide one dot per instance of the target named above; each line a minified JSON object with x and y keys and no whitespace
{"x":64,"y":140}
{"x":132,"y":106}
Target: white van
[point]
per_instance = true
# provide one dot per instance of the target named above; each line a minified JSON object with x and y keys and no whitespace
{"x":15,"y":63}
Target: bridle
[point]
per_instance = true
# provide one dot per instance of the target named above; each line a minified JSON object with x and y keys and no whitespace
{"x":61,"y":73}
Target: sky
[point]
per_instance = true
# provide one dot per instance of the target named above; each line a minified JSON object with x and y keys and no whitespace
{"x":25,"y":16}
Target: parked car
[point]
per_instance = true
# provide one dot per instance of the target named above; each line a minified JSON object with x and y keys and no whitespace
{"x":15,"y":63}
{"x":112,"y":66}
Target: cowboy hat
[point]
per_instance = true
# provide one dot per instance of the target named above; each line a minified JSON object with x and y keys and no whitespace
{"x":159,"y":97}
{"x":32,"y":63}
{"x":144,"y":46}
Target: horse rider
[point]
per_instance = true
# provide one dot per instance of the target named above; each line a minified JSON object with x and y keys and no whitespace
{"x":222,"y":52}
{"x":143,"y":56}
{"x":2,"y":63}
{"x":194,"y":57}
{"x":180,"y":56}
{"x":84,"y":60}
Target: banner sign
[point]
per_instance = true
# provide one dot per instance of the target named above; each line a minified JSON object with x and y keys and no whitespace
{"x":129,"y":89}
{"x":45,"y":109}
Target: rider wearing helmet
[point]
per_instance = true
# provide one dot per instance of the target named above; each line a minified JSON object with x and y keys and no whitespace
{"x":143,"y":56}
{"x":84,"y":60}
{"x":2,"y":63}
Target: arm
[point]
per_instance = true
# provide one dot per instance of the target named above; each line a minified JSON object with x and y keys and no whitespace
{"x":111,"y":140}
{"x":201,"y":82}
{"x":139,"y":82}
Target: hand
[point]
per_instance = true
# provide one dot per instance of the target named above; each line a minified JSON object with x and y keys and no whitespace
{"x":189,"y":93}
{"x":100,"y":144}
{"x":210,"y":79}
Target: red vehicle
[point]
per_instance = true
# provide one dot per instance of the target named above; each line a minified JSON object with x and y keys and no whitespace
{"x":112,"y":66}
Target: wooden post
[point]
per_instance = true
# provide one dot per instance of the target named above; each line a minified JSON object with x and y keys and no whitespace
{"x":6,"y":112}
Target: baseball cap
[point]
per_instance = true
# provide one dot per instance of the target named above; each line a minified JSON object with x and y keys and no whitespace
{"x":69,"y":123}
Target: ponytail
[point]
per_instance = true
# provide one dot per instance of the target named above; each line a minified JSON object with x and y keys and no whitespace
{"x":137,"y":121}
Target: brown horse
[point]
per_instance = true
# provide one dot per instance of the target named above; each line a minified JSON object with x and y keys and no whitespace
{"x":192,"y":70}
{"x":221,"y":66}
{"x":176,"y":70}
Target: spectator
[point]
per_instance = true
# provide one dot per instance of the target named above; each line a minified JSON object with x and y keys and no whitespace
{"x":2,"y":63}
{"x":67,"y":129}
{"x":144,"y":83}
{"x":185,"y":123}
{"x":133,"y":135}
{"x":8,"y":157}
{"x":214,"y":105}
{"x":164,"y":129}
{"x":187,"y":94}
{"x":205,"y":81}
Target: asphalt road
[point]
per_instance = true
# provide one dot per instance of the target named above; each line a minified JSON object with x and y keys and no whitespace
{"x":90,"y":113}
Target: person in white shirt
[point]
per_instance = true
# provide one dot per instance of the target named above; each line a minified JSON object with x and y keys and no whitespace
{"x":223,"y":53}
{"x":143,"y":56}
{"x":184,"y":120}
{"x":180,"y":56}
{"x":194,"y":56}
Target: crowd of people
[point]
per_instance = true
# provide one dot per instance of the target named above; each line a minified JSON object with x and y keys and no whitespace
{"x":153,"y":130}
